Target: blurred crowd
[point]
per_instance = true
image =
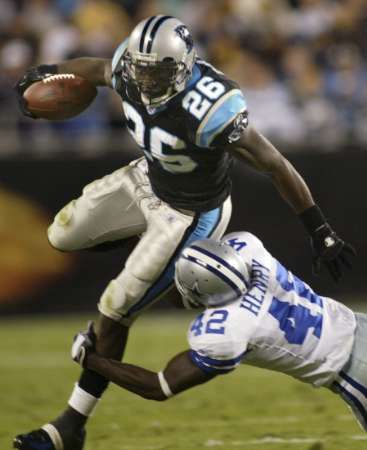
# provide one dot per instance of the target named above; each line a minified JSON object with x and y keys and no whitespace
{"x":300,"y":63}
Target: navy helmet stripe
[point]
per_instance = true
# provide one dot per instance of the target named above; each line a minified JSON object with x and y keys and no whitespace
{"x":215,"y":272}
{"x":143,"y":34}
{"x":154,"y":32}
{"x":221,"y":261}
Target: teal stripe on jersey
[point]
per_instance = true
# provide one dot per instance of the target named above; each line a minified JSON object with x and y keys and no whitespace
{"x":116,"y":57}
{"x":219,"y":117}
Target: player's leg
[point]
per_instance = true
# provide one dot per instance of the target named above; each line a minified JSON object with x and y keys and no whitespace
{"x":107,"y":210}
{"x":147,"y":276}
{"x":67,"y":431}
{"x":149,"y":270}
{"x":351,"y":383}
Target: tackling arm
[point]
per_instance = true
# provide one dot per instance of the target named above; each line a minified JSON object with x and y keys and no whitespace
{"x":179,"y":375}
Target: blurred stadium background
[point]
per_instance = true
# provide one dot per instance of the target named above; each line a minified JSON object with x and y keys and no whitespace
{"x":303,"y":69}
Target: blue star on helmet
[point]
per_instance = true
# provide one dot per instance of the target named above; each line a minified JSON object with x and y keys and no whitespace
{"x":185,"y":35}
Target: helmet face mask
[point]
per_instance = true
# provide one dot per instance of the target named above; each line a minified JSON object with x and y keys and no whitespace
{"x":155,"y":80}
{"x":157,"y":71}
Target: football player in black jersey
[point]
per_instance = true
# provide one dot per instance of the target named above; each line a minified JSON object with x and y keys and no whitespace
{"x":190,"y":120}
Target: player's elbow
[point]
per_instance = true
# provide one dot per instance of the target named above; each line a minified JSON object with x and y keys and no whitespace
{"x":154,"y":394}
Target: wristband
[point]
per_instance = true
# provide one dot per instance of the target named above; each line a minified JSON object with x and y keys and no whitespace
{"x":312,"y":218}
{"x":164,"y":385}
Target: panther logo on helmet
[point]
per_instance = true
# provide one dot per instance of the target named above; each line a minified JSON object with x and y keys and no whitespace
{"x":185,"y":35}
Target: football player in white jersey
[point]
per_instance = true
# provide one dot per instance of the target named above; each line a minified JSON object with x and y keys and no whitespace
{"x":256,"y":312}
{"x":189,"y":120}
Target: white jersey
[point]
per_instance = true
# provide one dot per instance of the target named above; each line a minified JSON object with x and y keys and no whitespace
{"x":279,"y":324}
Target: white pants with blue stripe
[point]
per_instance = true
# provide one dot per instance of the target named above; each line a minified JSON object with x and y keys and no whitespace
{"x":121,"y":205}
{"x":351,"y":383}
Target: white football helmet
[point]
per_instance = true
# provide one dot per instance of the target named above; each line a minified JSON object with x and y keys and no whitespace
{"x":210,"y":273}
{"x":158,"y":60}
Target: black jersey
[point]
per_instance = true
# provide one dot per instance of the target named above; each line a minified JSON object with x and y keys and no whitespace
{"x":180,"y":140}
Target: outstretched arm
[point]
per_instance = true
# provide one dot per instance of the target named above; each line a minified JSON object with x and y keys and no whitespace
{"x":96,"y":70}
{"x":254,"y":149}
{"x":179,"y":375}
{"x":327,"y":247}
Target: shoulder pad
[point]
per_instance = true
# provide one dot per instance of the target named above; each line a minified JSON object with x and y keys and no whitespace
{"x":246,"y":244}
{"x":241,"y":239}
{"x":223,"y":112}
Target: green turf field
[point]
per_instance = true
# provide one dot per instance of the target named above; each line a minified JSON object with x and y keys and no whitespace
{"x":247,"y":409}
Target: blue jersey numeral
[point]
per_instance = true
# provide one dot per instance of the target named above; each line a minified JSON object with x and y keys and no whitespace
{"x":197,"y":325}
{"x":295,"y":321}
{"x":213,"y":325}
{"x":290,"y":282}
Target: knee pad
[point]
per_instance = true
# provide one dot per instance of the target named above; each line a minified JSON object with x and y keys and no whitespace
{"x":58,"y":231}
{"x":120,"y":295}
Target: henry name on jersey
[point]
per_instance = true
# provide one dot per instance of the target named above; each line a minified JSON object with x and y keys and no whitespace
{"x":253,"y":300}
{"x":280,"y":323}
{"x":180,"y":139}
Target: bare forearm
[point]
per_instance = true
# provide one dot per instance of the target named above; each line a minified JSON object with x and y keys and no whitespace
{"x":292,"y":187}
{"x":96,"y":70}
{"x":257,"y":151}
{"x":133,"y":378}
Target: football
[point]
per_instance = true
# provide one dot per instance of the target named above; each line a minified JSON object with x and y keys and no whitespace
{"x":59,"y":97}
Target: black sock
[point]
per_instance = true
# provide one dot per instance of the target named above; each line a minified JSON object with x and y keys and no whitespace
{"x":71,"y":420}
{"x":93,"y":383}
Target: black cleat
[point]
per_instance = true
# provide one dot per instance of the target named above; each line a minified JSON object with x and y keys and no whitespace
{"x":48,"y":438}
{"x":35,"y":440}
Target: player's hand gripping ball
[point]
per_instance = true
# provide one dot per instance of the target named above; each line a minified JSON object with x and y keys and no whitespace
{"x":59,"y":96}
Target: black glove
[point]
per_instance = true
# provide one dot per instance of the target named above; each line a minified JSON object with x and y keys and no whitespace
{"x":31,"y":76}
{"x":84,"y":343}
{"x":327,"y":247}
{"x":330,"y":250}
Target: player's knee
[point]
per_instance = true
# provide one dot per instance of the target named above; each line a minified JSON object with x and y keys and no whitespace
{"x":59,"y":233}
{"x":120,"y":296}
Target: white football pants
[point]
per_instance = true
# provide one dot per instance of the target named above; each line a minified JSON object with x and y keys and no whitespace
{"x":121,"y":205}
